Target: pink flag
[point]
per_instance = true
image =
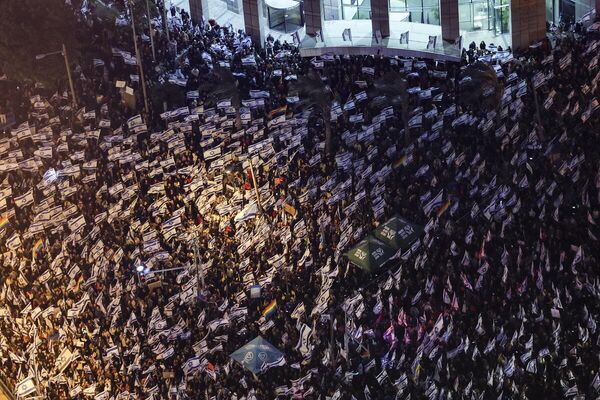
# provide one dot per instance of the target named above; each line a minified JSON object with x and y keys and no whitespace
{"x":481,"y":253}
{"x":402,"y":318}
{"x":389,"y":335}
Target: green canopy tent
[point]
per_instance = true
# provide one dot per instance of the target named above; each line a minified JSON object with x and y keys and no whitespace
{"x":370,"y":254}
{"x":398,"y":233}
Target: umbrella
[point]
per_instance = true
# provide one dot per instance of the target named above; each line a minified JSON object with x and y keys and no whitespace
{"x":398,"y":233}
{"x":258,"y":355}
{"x":370,"y":254}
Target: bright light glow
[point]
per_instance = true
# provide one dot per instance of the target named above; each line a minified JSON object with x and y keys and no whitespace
{"x":51,"y":175}
{"x":139,"y":268}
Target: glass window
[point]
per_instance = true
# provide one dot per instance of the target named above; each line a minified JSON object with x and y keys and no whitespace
{"x":485,"y":21}
{"x":397,"y":5}
{"x":356,"y":9}
{"x":419,"y":11}
{"x":465,"y":18}
{"x":346,"y":9}
{"x":331,"y":10}
{"x":583,"y":7}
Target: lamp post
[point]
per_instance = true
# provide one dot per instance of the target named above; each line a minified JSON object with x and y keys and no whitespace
{"x":35,"y":364}
{"x":165,"y":19}
{"x":255,"y":186}
{"x":139,"y":59}
{"x":140,"y":269}
{"x":150,"y":32}
{"x":197,"y":262}
{"x":63,"y":52}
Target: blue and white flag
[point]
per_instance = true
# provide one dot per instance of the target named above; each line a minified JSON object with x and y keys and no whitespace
{"x":248,"y":212}
{"x":435,"y":203}
{"x":347,"y":35}
{"x":303,"y":345}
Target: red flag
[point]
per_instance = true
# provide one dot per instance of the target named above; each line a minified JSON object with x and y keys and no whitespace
{"x":481,"y":253}
{"x":210,"y":371}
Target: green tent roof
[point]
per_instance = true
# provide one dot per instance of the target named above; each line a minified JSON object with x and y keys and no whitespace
{"x":398,"y":233}
{"x":370,"y":254}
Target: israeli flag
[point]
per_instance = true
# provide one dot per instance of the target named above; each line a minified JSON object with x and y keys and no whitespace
{"x":404,"y":38}
{"x":319,"y":36}
{"x":303,"y":345}
{"x":458,"y":43}
{"x":296,"y":38}
{"x":431,"y":43}
{"x":347,"y":35}
{"x":25,"y":387}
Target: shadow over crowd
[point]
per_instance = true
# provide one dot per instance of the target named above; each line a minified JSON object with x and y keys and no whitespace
{"x":498,"y":299}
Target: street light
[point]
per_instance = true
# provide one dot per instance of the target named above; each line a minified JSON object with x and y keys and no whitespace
{"x":150,"y":32}
{"x":143,"y":270}
{"x":44,"y":55}
{"x":63,"y":52}
{"x":140,"y":271}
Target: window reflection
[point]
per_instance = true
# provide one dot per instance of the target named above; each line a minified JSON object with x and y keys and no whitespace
{"x":225,"y":12}
{"x":346,"y":9}
{"x":420,"y":11}
{"x":484,"y":20}
{"x":568,"y":10}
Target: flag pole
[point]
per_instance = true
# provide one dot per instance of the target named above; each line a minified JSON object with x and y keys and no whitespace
{"x":197,"y":261}
{"x":71,"y":86}
{"x":150,"y":31}
{"x":255,"y":186}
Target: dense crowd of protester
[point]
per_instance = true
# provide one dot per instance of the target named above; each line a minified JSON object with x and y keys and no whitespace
{"x":498,"y":299}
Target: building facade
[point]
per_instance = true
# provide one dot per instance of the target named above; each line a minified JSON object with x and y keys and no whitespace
{"x":430,"y":25}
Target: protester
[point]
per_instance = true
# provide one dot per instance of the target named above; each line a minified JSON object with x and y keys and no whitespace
{"x":498,"y":299}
